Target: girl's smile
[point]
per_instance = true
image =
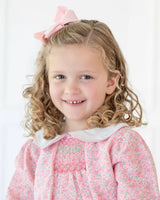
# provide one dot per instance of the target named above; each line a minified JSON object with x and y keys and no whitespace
{"x":78,"y":81}
{"x":74,"y":102}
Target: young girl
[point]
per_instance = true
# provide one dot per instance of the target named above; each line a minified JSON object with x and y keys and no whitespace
{"x":80,"y":115}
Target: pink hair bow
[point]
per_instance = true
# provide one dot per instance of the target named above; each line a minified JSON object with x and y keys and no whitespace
{"x":63,"y":16}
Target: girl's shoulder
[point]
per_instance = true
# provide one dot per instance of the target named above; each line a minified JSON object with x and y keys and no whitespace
{"x":29,"y":146}
{"x":127,"y":141}
{"x":28,"y":152}
{"x":126,"y":134}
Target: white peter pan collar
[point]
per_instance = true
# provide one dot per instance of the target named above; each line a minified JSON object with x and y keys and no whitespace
{"x":88,"y":135}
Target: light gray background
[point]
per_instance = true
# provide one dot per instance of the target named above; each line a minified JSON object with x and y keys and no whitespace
{"x":134,"y":23}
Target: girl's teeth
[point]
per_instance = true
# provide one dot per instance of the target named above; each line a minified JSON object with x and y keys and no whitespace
{"x":74,"y":102}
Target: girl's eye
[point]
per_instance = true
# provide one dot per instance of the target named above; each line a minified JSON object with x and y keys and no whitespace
{"x":86,"y":77}
{"x":60,"y":76}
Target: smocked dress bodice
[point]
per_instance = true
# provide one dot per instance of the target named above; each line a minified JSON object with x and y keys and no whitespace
{"x":71,"y":180}
{"x":70,"y":155}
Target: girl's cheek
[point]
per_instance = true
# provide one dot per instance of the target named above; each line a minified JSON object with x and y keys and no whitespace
{"x":52,"y":89}
{"x":90,"y":88}
{"x":55,"y":89}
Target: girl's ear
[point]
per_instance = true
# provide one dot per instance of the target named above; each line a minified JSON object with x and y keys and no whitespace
{"x":111,"y":84}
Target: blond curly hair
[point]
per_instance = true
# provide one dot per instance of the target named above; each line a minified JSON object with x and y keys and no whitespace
{"x":121,"y":106}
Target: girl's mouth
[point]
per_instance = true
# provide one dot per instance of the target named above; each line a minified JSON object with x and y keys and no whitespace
{"x":74,"y":101}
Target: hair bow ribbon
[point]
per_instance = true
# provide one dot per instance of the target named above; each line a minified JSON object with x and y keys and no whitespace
{"x":63,"y":16}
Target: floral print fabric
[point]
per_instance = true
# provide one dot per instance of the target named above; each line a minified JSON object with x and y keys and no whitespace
{"x":119,"y":167}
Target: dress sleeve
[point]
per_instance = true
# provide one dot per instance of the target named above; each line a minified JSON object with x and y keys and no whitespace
{"x":134,"y":168}
{"x":21,"y":185}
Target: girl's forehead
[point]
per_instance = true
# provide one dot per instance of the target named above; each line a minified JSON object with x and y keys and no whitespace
{"x":75,"y":53}
{"x":75,"y":56}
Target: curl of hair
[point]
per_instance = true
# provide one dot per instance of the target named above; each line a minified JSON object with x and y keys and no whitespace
{"x":121,"y":106}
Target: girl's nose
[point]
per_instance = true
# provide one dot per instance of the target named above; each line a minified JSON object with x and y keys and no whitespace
{"x":72,"y":87}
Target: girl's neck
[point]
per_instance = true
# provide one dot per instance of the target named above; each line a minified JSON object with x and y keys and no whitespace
{"x":74,"y":126}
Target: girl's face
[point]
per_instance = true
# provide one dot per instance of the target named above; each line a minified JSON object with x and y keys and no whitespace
{"x":78,"y":82}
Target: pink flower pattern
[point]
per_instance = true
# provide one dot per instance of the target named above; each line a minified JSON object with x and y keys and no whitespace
{"x":118,"y":168}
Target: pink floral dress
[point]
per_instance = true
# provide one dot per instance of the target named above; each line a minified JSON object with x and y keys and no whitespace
{"x":111,"y":163}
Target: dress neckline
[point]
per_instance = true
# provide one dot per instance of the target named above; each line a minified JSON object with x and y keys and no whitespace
{"x":87,"y":135}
